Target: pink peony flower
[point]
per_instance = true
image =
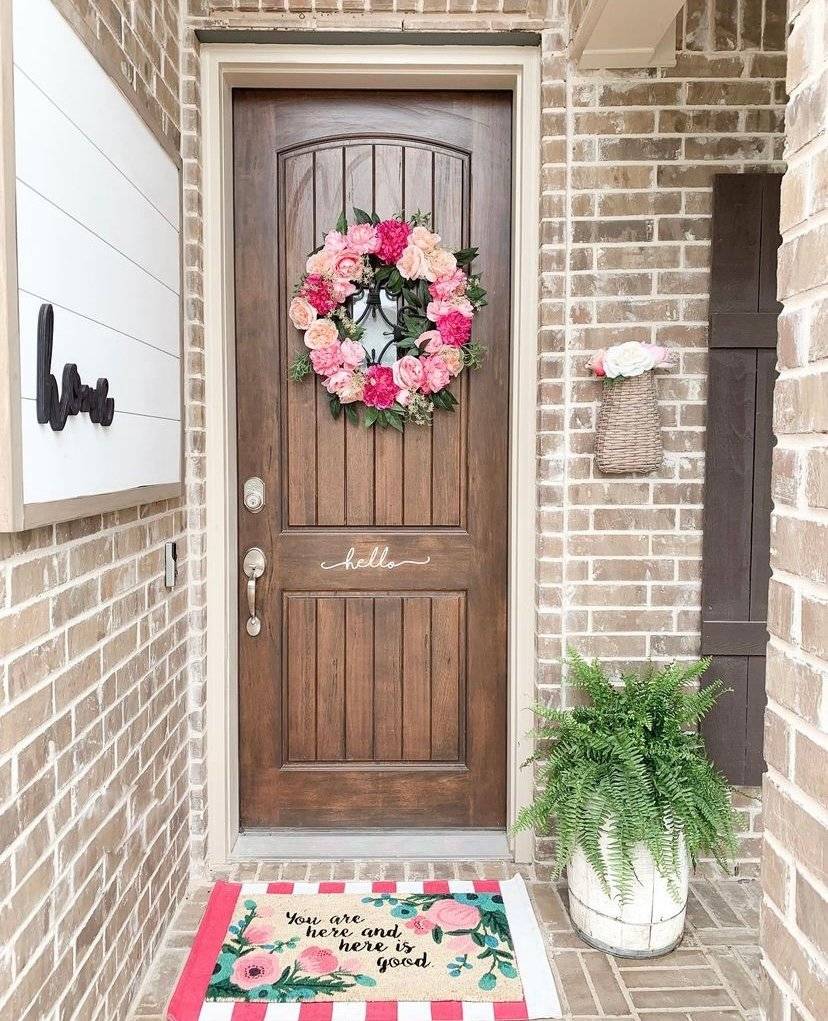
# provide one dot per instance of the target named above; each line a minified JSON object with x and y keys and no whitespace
{"x":407,"y":372}
{"x":436,"y":376}
{"x":341,"y":289}
{"x":362,"y":238}
{"x":453,"y":359}
{"x":596,"y":363}
{"x":353,"y":354}
{"x":455,"y":328}
{"x":420,"y":924}
{"x":348,"y":264}
{"x":432,"y":341}
{"x":449,"y":286}
{"x":260,"y":932}
{"x":450,"y":915}
{"x":393,"y":237}
{"x":301,"y":313}
{"x":326,"y":360}
{"x":436,"y":309}
{"x":317,"y":961}
{"x":413,"y":263}
{"x":380,"y":389}
{"x":404,"y":398}
{"x":440,"y":263}
{"x":424,"y":239}
{"x":321,"y":333}
{"x":320,"y":263}
{"x":319,"y":293}
{"x":335,"y":242}
{"x":257,"y":968}
{"x":348,"y":386}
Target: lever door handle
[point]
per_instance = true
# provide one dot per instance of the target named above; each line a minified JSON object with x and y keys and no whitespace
{"x":253,"y":566}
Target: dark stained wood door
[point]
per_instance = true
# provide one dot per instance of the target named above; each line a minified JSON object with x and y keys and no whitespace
{"x":741,"y":377}
{"x":373,"y":696}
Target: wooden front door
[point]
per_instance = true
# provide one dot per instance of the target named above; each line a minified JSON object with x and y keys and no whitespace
{"x":737,"y":499}
{"x":373,"y":695}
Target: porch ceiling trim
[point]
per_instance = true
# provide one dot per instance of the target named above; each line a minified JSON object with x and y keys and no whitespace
{"x":626,"y":33}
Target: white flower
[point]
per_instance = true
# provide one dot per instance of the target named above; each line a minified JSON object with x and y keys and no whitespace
{"x":630,"y":359}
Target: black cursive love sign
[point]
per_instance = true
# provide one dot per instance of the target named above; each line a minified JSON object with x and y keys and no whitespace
{"x":74,"y":397}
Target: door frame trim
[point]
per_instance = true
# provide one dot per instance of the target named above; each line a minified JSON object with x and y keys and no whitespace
{"x":225,"y":66}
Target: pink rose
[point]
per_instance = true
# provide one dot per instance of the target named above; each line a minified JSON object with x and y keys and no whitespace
{"x":326,"y":360}
{"x":321,"y":333}
{"x":455,"y":328}
{"x":407,"y":372}
{"x":424,"y":239}
{"x":317,"y":961}
{"x":393,"y":237}
{"x":257,"y":968}
{"x":335,"y":242}
{"x":353,"y":354}
{"x":432,"y":341}
{"x":441,"y":263}
{"x":420,"y":924}
{"x":450,"y":915}
{"x":413,"y":264}
{"x":259,"y":932}
{"x":453,"y":359}
{"x":301,"y":313}
{"x":596,"y":363}
{"x":436,"y":375}
{"x":449,"y":286}
{"x":404,"y":398}
{"x":348,"y":386}
{"x":362,"y":237}
{"x":436,"y":309}
{"x":348,"y":264}
{"x":380,"y":389}
{"x":320,"y":263}
{"x":341,"y":289}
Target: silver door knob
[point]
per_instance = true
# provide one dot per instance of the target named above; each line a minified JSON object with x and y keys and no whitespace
{"x":253,"y":566}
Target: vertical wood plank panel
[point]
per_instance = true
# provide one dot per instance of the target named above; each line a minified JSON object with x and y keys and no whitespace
{"x":359,"y":679}
{"x":300,"y":665}
{"x":417,"y":452}
{"x":447,"y":623}
{"x":330,"y":679}
{"x":330,"y":432}
{"x":448,"y":200}
{"x":416,"y":713}
{"x":299,"y":482}
{"x":763,"y":442}
{"x":387,"y":678}
{"x":388,"y":183}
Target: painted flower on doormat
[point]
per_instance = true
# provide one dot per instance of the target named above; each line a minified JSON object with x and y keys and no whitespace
{"x":415,"y":946}
{"x":387,"y":315}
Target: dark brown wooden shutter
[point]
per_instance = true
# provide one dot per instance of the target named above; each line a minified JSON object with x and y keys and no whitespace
{"x":741,"y":375}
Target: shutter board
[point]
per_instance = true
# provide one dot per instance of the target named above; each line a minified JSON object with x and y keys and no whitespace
{"x":736,"y":543}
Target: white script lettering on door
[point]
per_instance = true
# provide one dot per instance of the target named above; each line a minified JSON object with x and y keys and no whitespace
{"x":377,"y":558}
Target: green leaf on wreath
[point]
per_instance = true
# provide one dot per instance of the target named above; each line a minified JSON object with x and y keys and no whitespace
{"x":361,"y":216}
{"x":342,"y":222}
{"x":371,"y":415}
{"x":466,"y":256}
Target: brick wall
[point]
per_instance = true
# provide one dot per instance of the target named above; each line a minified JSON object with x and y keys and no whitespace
{"x":94,"y":827}
{"x":794,"y":866}
{"x":627,"y":163}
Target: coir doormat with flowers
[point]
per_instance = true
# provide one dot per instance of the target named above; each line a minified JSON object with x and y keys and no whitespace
{"x":360,"y":951}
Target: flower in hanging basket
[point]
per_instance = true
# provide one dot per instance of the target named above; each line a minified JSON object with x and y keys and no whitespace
{"x":408,"y":282}
{"x":625,"y":361}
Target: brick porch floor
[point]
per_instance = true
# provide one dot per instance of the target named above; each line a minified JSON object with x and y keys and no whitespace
{"x":713,"y":976}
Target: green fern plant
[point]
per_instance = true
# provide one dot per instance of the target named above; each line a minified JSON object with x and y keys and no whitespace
{"x":631,"y":768}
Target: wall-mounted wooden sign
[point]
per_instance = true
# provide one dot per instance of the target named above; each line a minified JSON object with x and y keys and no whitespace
{"x":90,"y":391}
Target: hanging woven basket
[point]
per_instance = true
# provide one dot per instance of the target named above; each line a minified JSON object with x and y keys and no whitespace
{"x":628,"y":439}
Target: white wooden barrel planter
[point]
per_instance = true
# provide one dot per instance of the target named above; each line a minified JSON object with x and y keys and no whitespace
{"x":650,"y":924}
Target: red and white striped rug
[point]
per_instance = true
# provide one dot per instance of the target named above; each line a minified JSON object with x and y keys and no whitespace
{"x":362,"y":951}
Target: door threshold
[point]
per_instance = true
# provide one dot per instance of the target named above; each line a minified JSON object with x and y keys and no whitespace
{"x":432,"y":845}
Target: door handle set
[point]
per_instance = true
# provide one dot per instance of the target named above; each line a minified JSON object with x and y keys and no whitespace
{"x":253,"y":565}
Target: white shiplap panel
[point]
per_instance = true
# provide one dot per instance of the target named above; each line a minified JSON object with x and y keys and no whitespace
{"x":59,"y":162}
{"x":142,"y":380}
{"x":61,"y":261}
{"x":85,"y":459}
{"x":49,"y":52}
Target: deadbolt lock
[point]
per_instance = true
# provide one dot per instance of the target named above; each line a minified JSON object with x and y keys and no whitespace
{"x":254,"y":495}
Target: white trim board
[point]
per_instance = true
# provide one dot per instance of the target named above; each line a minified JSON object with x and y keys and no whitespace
{"x":429,"y":845}
{"x":223,"y":67}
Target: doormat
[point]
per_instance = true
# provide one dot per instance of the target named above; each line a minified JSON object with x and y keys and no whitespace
{"x":361,"y":951}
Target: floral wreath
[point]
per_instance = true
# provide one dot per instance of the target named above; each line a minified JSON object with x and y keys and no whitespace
{"x":430,"y":342}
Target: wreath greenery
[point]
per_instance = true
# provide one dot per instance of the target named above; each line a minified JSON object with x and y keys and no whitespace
{"x":429,"y":344}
